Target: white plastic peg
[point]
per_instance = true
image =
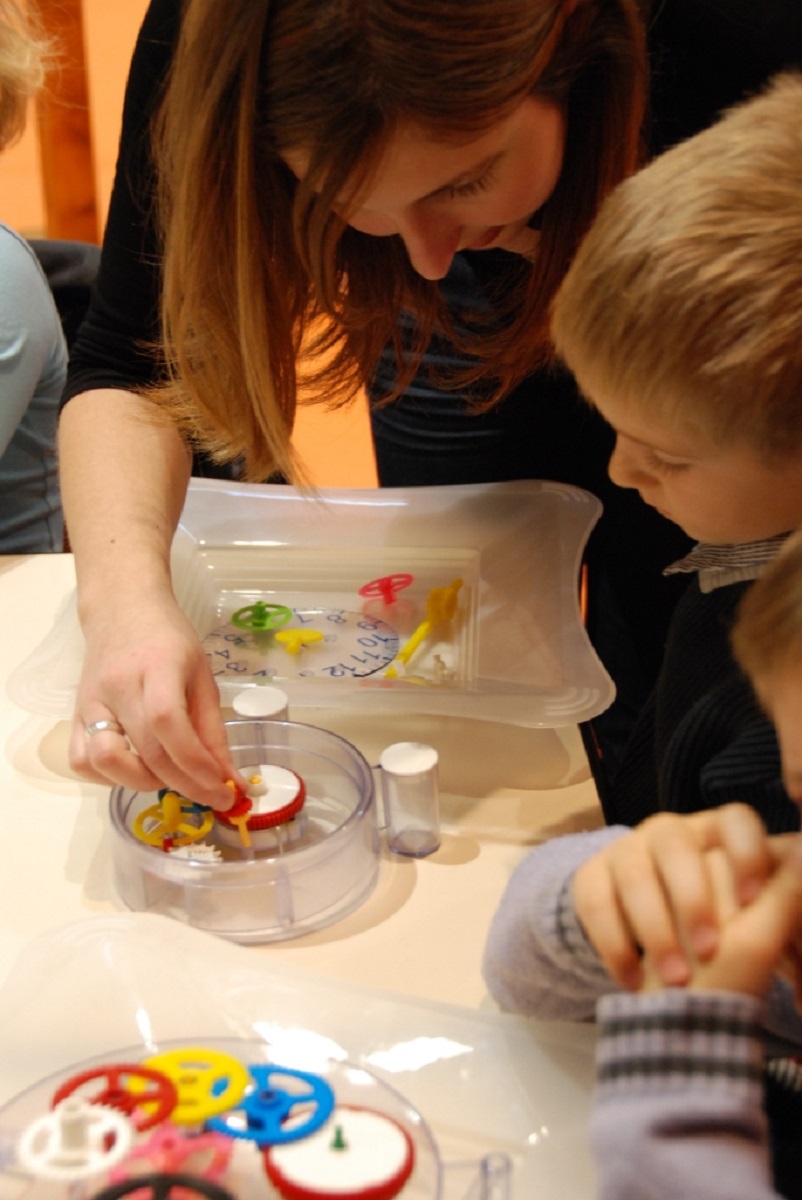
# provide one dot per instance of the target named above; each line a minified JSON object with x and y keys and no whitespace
{"x":75,"y":1140}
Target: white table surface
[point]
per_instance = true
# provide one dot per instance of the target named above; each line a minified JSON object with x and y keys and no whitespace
{"x":421,"y":931}
{"x":403,"y":969}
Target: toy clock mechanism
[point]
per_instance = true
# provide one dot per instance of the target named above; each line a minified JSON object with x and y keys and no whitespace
{"x":217,"y":1120}
{"x":298,"y":849}
{"x":388,"y":632}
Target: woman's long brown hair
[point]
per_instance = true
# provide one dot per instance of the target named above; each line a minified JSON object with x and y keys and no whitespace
{"x":267,"y":294}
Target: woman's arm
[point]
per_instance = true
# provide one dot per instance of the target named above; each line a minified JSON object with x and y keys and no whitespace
{"x":124,"y":478}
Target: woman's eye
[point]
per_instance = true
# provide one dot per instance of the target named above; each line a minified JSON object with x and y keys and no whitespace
{"x":461,"y":190}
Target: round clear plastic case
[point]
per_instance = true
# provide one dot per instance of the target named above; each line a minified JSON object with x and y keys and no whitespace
{"x":260,"y":885}
{"x":349,"y":1086}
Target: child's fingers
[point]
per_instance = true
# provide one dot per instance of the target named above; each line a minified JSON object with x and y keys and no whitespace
{"x":598,"y":908}
{"x":780,"y":845}
{"x":649,"y":895}
{"x":739,"y":831}
{"x":664,"y":888}
{"x":626,"y":896}
{"x":724,"y":885}
{"x":662,"y":880}
{"x":645,"y":923}
{"x":777,"y":911}
{"x":755,"y":937}
{"x":691,"y":922}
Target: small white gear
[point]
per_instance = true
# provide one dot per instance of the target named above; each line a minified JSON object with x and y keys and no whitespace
{"x":200,"y":851}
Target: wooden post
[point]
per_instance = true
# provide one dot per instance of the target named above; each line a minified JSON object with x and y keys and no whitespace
{"x":65,"y":132}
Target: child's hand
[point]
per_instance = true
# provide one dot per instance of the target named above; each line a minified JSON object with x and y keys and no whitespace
{"x":635,"y":896}
{"x":791,"y":963}
{"x":753,"y":938}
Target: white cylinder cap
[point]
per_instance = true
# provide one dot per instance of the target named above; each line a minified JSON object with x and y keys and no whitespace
{"x":408,"y":758}
{"x":277,"y":787}
{"x":261,"y":702}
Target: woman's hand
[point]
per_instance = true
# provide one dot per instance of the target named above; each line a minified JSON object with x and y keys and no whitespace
{"x":650,"y":894}
{"x":124,"y":474}
{"x":145,"y":671}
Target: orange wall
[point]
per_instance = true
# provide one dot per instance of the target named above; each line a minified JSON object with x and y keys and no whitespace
{"x":335,"y":446}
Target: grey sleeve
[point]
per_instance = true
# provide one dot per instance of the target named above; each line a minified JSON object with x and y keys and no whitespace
{"x":537,"y":960}
{"x":678,"y":1109}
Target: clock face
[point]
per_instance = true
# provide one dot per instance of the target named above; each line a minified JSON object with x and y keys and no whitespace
{"x":316,"y":643}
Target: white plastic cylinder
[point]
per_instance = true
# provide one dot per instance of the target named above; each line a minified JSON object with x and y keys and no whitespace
{"x":411,"y":795}
{"x":268,"y":703}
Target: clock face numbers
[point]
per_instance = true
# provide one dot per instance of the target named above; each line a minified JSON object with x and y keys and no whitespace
{"x":315,"y":643}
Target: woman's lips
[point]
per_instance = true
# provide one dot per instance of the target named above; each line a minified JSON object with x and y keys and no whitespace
{"x":488,"y":237}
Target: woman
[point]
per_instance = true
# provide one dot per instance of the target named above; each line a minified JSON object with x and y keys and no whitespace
{"x":301,"y":145}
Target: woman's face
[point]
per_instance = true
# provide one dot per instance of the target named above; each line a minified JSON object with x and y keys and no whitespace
{"x":439,"y":197}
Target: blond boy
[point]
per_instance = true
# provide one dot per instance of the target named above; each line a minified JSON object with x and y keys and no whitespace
{"x":681,"y":318}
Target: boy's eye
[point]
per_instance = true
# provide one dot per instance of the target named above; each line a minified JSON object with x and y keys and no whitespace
{"x":666,"y":465}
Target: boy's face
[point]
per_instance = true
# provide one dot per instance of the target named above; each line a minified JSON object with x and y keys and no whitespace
{"x":781,"y":695}
{"x":718,"y":494}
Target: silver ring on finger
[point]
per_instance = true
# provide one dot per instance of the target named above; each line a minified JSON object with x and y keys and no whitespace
{"x":103,"y":727}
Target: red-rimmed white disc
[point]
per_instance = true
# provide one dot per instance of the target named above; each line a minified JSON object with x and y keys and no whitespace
{"x":277,"y":795}
{"x":359,"y":1154}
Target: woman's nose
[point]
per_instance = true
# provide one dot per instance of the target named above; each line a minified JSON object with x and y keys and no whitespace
{"x":431,"y":241}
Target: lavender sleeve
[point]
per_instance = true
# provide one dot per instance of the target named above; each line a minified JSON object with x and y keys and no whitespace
{"x":678,"y":1109}
{"x":537,"y":959}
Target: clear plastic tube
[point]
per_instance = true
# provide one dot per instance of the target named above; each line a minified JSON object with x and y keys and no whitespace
{"x":411,"y":795}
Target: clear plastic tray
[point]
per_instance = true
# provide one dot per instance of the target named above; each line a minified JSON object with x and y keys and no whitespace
{"x":353,"y":1088}
{"x":486,"y":1084}
{"x":285,"y":882}
{"x":514,"y":647}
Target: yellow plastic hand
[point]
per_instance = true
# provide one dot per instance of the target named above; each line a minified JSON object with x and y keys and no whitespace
{"x":295,"y":640}
{"x":441,"y":606}
{"x":241,"y":823}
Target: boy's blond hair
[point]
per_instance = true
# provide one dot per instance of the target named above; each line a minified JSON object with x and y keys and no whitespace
{"x":767,"y":633}
{"x":22,"y":55}
{"x":685,"y":298}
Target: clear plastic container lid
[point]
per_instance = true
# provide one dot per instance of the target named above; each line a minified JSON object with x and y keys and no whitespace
{"x":459,"y":601}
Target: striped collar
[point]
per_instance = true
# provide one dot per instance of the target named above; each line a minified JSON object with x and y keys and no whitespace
{"x":718,"y":566}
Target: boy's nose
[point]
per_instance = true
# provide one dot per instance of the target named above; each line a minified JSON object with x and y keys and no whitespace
{"x":627,"y":466}
{"x":431,"y":242}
